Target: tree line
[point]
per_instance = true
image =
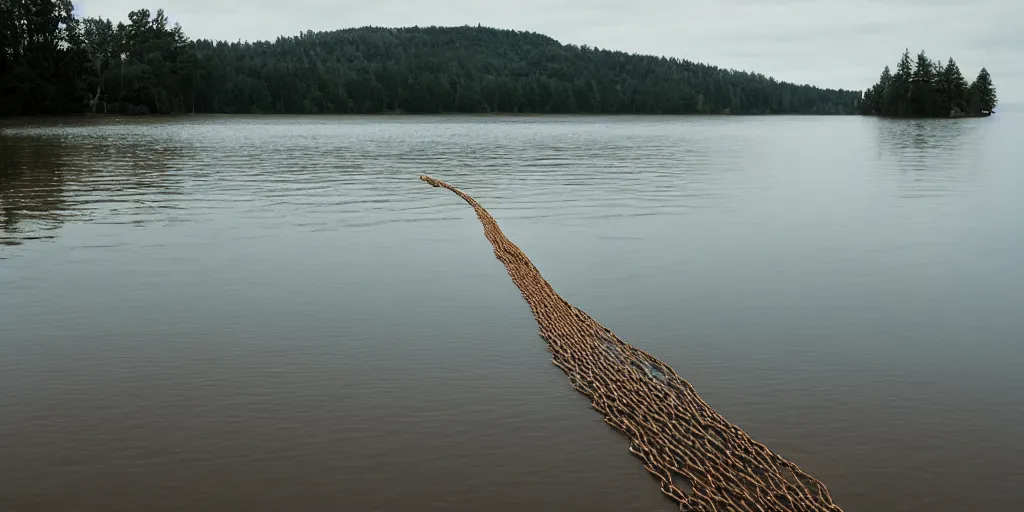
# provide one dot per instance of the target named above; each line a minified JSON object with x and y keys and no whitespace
{"x":53,"y":62}
{"x":927,"y":88}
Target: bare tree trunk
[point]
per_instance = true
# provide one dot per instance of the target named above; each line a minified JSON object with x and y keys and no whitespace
{"x":96,"y":99}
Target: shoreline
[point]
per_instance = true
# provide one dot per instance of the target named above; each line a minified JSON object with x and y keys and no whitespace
{"x":404,"y":115}
{"x":965,"y":116}
{"x":13,"y":120}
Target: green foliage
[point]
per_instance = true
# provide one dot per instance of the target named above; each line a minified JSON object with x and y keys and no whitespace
{"x":40,"y":57}
{"x":952,"y":90}
{"x":985,"y":90}
{"x":155,"y":71}
{"x":145,"y":66}
{"x":433,"y":70}
{"x":100,"y":43}
{"x":474,"y":69}
{"x":925,"y":88}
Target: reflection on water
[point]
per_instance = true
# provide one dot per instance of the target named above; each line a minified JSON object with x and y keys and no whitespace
{"x":273,"y":313}
{"x":52,"y":174}
{"x":126,"y":171}
{"x":31,"y":190}
{"x":931,"y":157}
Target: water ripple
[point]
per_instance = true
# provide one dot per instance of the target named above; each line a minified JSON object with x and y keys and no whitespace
{"x":344,"y":170}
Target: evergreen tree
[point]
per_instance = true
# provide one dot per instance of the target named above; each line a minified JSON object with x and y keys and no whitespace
{"x":877,"y":92}
{"x":986,"y":91}
{"x":895,"y":99}
{"x":883,"y":82}
{"x":866,"y":103}
{"x":951,"y":88}
{"x":903,"y":81}
{"x":924,"y":99}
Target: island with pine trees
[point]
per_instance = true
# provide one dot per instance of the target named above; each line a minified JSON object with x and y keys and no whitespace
{"x":927,"y":88}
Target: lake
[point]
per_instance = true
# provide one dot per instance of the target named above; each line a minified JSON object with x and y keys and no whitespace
{"x":274,"y":313}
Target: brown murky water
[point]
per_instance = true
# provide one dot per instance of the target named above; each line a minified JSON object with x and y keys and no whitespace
{"x":273,"y":313}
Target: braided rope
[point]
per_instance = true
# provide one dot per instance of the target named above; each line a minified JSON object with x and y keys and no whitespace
{"x":703,"y":462}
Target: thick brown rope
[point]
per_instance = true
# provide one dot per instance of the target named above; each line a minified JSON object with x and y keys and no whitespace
{"x":703,"y":462}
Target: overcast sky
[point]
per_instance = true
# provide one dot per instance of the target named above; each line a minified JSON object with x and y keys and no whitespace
{"x":829,"y":43}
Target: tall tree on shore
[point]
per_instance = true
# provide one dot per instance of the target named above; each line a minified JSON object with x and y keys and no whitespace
{"x":879,"y":89}
{"x":922,"y":93}
{"x":895,"y":100}
{"x":100,"y":45}
{"x":951,"y":87}
{"x":986,"y":91}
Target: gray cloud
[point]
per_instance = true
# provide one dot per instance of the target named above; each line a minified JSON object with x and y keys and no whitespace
{"x":836,"y":43}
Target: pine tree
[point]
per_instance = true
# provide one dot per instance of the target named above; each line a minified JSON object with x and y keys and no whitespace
{"x":878,"y":91}
{"x":922,"y":69}
{"x":895,"y":100}
{"x":867,"y":102}
{"x":986,"y":91}
{"x":922,"y":93}
{"x":886,"y":77}
{"x":952,"y":89}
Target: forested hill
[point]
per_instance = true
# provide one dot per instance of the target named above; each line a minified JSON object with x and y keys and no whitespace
{"x":473,"y":69}
{"x":147,"y":66}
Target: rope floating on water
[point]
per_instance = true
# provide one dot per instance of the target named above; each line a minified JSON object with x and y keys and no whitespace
{"x":703,"y":462}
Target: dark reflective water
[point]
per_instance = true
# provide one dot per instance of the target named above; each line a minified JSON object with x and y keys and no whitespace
{"x":274,"y":313}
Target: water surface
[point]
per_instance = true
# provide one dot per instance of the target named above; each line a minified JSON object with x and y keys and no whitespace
{"x":274,"y":313}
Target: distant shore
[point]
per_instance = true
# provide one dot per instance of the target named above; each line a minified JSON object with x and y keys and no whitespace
{"x":152,"y":66}
{"x":86,"y":117}
{"x":100,"y":115}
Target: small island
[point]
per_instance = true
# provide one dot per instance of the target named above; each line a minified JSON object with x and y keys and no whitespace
{"x":927,"y":88}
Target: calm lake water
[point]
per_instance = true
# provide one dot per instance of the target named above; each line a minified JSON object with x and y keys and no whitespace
{"x":274,"y":313}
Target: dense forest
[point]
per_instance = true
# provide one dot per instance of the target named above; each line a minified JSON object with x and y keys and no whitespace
{"x":927,"y":88}
{"x":53,"y":62}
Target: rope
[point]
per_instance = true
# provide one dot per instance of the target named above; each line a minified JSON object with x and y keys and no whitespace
{"x":702,"y":461}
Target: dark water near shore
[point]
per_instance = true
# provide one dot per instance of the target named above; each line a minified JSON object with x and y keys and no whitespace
{"x":274,"y":313}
